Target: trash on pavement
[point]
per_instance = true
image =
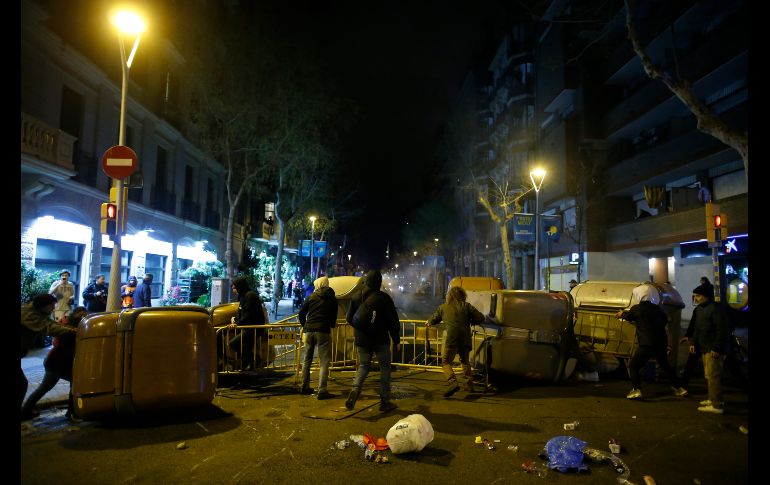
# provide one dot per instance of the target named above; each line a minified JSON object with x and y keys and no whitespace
{"x":341,"y":444}
{"x":744,"y":429}
{"x":571,"y":426}
{"x":599,"y":456}
{"x":531,"y":467}
{"x":488,"y":444}
{"x":412,"y":433}
{"x":565,"y":453}
{"x":358,"y":439}
{"x":648,"y":480}
{"x":478,"y":440}
{"x":513,"y":448}
{"x":614,"y":446}
{"x":181,"y":446}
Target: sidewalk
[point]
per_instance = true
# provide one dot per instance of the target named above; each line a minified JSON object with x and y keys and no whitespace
{"x":33,"y":368}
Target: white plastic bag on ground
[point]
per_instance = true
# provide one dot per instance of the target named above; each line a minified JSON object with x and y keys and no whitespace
{"x":413,"y":433}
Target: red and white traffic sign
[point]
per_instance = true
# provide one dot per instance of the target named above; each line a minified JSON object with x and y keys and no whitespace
{"x":119,"y":162}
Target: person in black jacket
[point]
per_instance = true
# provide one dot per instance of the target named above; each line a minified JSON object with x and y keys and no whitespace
{"x":650,"y":322}
{"x":249,"y":313}
{"x":95,"y":295}
{"x":318,"y":316}
{"x":143,"y":292}
{"x":373,"y":337}
{"x":710,"y":337}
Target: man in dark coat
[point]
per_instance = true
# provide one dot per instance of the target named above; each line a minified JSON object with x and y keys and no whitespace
{"x":95,"y":295}
{"x":373,"y":337}
{"x":249,"y":313}
{"x":711,"y":337}
{"x":650,"y":322}
{"x":143,"y":292}
{"x":318,"y":316}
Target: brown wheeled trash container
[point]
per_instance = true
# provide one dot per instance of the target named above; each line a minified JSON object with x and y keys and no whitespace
{"x":144,"y":359}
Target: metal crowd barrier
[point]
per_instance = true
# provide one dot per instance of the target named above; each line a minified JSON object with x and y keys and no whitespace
{"x":281,"y":349}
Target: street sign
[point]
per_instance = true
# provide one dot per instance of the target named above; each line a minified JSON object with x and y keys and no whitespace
{"x":119,"y":162}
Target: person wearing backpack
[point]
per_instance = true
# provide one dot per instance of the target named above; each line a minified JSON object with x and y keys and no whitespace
{"x":375,"y":322}
{"x":458,"y":315}
{"x":318,"y":316}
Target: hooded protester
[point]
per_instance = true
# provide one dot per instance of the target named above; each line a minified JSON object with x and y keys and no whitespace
{"x":650,"y":322}
{"x":376,"y":324}
{"x":249,"y":313}
{"x":127,"y":293}
{"x":318,"y":316}
{"x":36,"y":320}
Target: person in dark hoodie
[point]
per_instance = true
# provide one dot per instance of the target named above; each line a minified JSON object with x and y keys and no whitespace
{"x":373,"y":334}
{"x":710,"y":337}
{"x":650,"y":322}
{"x":318,"y":316}
{"x":249,"y":313}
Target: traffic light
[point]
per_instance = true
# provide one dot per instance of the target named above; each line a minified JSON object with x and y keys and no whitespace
{"x":720,"y":227}
{"x":123,"y":212}
{"x":109,"y":214}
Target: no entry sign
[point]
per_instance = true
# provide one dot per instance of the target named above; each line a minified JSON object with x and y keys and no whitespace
{"x":119,"y":162}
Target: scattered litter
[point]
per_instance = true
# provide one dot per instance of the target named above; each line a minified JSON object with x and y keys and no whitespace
{"x":513,"y":448}
{"x":478,"y":440}
{"x":378,"y":443}
{"x":565,"y":453}
{"x":358,"y":439}
{"x":633,"y":417}
{"x":614,"y":446}
{"x":599,"y":456}
{"x":340,"y":445}
{"x":496,"y":441}
{"x":648,"y":480}
{"x":571,"y":426}
{"x":488,"y":444}
{"x":412,"y":433}
{"x":181,"y":446}
{"x":531,"y":467}
{"x":743,"y":429}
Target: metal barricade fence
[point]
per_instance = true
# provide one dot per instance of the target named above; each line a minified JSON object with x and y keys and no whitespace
{"x":281,"y":348}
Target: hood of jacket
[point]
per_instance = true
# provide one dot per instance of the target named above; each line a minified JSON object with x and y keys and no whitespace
{"x":241,"y":285}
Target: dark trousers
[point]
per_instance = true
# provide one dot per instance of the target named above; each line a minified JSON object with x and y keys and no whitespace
{"x":243,"y":343}
{"x":642,"y":355}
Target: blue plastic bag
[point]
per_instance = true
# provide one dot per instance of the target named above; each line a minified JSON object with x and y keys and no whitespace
{"x":565,"y":453}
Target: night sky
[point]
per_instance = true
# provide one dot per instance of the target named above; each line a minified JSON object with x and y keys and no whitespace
{"x":401,"y":62}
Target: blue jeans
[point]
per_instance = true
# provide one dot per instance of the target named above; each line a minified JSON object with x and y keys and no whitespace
{"x":323,"y":341}
{"x":365,"y":359}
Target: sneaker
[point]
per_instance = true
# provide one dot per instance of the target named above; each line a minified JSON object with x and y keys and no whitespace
{"x":352,"y":398}
{"x":711,"y":409}
{"x":452,"y":388}
{"x":679,"y":391}
{"x":707,"y":402}
{"x":386,"y":406}
{"x":323,"y":395}
{"x":634,"y":394}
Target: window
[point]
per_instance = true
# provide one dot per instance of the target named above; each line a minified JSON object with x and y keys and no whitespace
{"x":106,"y":264}
{"x":156,"y":264}
{"x":53,"y":256}
{"x":188,"y":182}
{"x":269,"y":210}
{"x":161,"y":169}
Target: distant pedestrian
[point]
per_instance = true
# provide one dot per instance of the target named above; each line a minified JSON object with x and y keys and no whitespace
{"x":58,"y":364}
{"x":64,"y":291}
{"x":95,"y":295}
{"x":377,"y":326}
{"x":650,"y":322}
{"x":318,"y":316}
{"x":279,"y":289}
{"x":35,"y":321}
{"x":143,"y":292}
{"x":572,"y":284}
{"x":127,"y":293}
{"x":250,"y":312}
{"x":458,"y":315}
{"x":710,"y":337}
{"x":289,"y":289}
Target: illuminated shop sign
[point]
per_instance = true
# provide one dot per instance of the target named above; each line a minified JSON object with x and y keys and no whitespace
{"x":732,"y":246}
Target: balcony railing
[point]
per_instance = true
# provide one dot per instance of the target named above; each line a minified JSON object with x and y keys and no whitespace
{"x":46,"y":142}
{"x":163,"y":200}
{"x":212,"y":219}
{"x":191,"y":210}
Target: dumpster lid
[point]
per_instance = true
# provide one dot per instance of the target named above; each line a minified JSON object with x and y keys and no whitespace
{"x":613,"y":294}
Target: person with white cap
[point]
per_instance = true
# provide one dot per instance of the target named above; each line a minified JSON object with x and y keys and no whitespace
{"x":318,"y":316}
{"x":650,"y":322}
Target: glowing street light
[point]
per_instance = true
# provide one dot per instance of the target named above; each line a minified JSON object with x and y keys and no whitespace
{"x":537,"y":176}
{"x":128,"y":23}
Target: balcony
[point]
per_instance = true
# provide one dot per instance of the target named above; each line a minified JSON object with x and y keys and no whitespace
{"x":212,"y":219}
{"x":163,"y":200}
{"x":191,"y":211}
{"x":48,"y":144}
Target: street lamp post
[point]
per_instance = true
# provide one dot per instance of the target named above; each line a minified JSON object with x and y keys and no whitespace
{"x":435,"y":265}
{"x":312,"y":230}
{"x":127,"y":23}
{"x":537,"y":176}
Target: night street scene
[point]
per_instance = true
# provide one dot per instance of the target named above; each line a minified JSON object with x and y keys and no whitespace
{"x":483,"y":242}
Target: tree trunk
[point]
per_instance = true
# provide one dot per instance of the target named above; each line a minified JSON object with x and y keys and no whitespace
{"x":229,"y":243}
{"x":279,"y":255}
{"x":506,"y":256}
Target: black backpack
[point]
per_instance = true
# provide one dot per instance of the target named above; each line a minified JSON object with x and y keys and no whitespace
{"x":365,"y":315}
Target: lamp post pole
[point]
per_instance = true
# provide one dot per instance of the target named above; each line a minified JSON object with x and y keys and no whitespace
{"x":534,"y":176}
{"x":435,"y":266}
{"x":312,"y":244}
{"x":126,"y":23}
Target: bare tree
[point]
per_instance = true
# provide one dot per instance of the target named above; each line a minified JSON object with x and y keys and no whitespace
{"x":707,"y":121}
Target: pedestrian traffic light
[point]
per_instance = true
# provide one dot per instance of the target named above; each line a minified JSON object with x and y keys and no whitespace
{"x":712,"y":216}
{"x":109,"y":214}
{"x":122,"y":215}
{"x":720,"y":227}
